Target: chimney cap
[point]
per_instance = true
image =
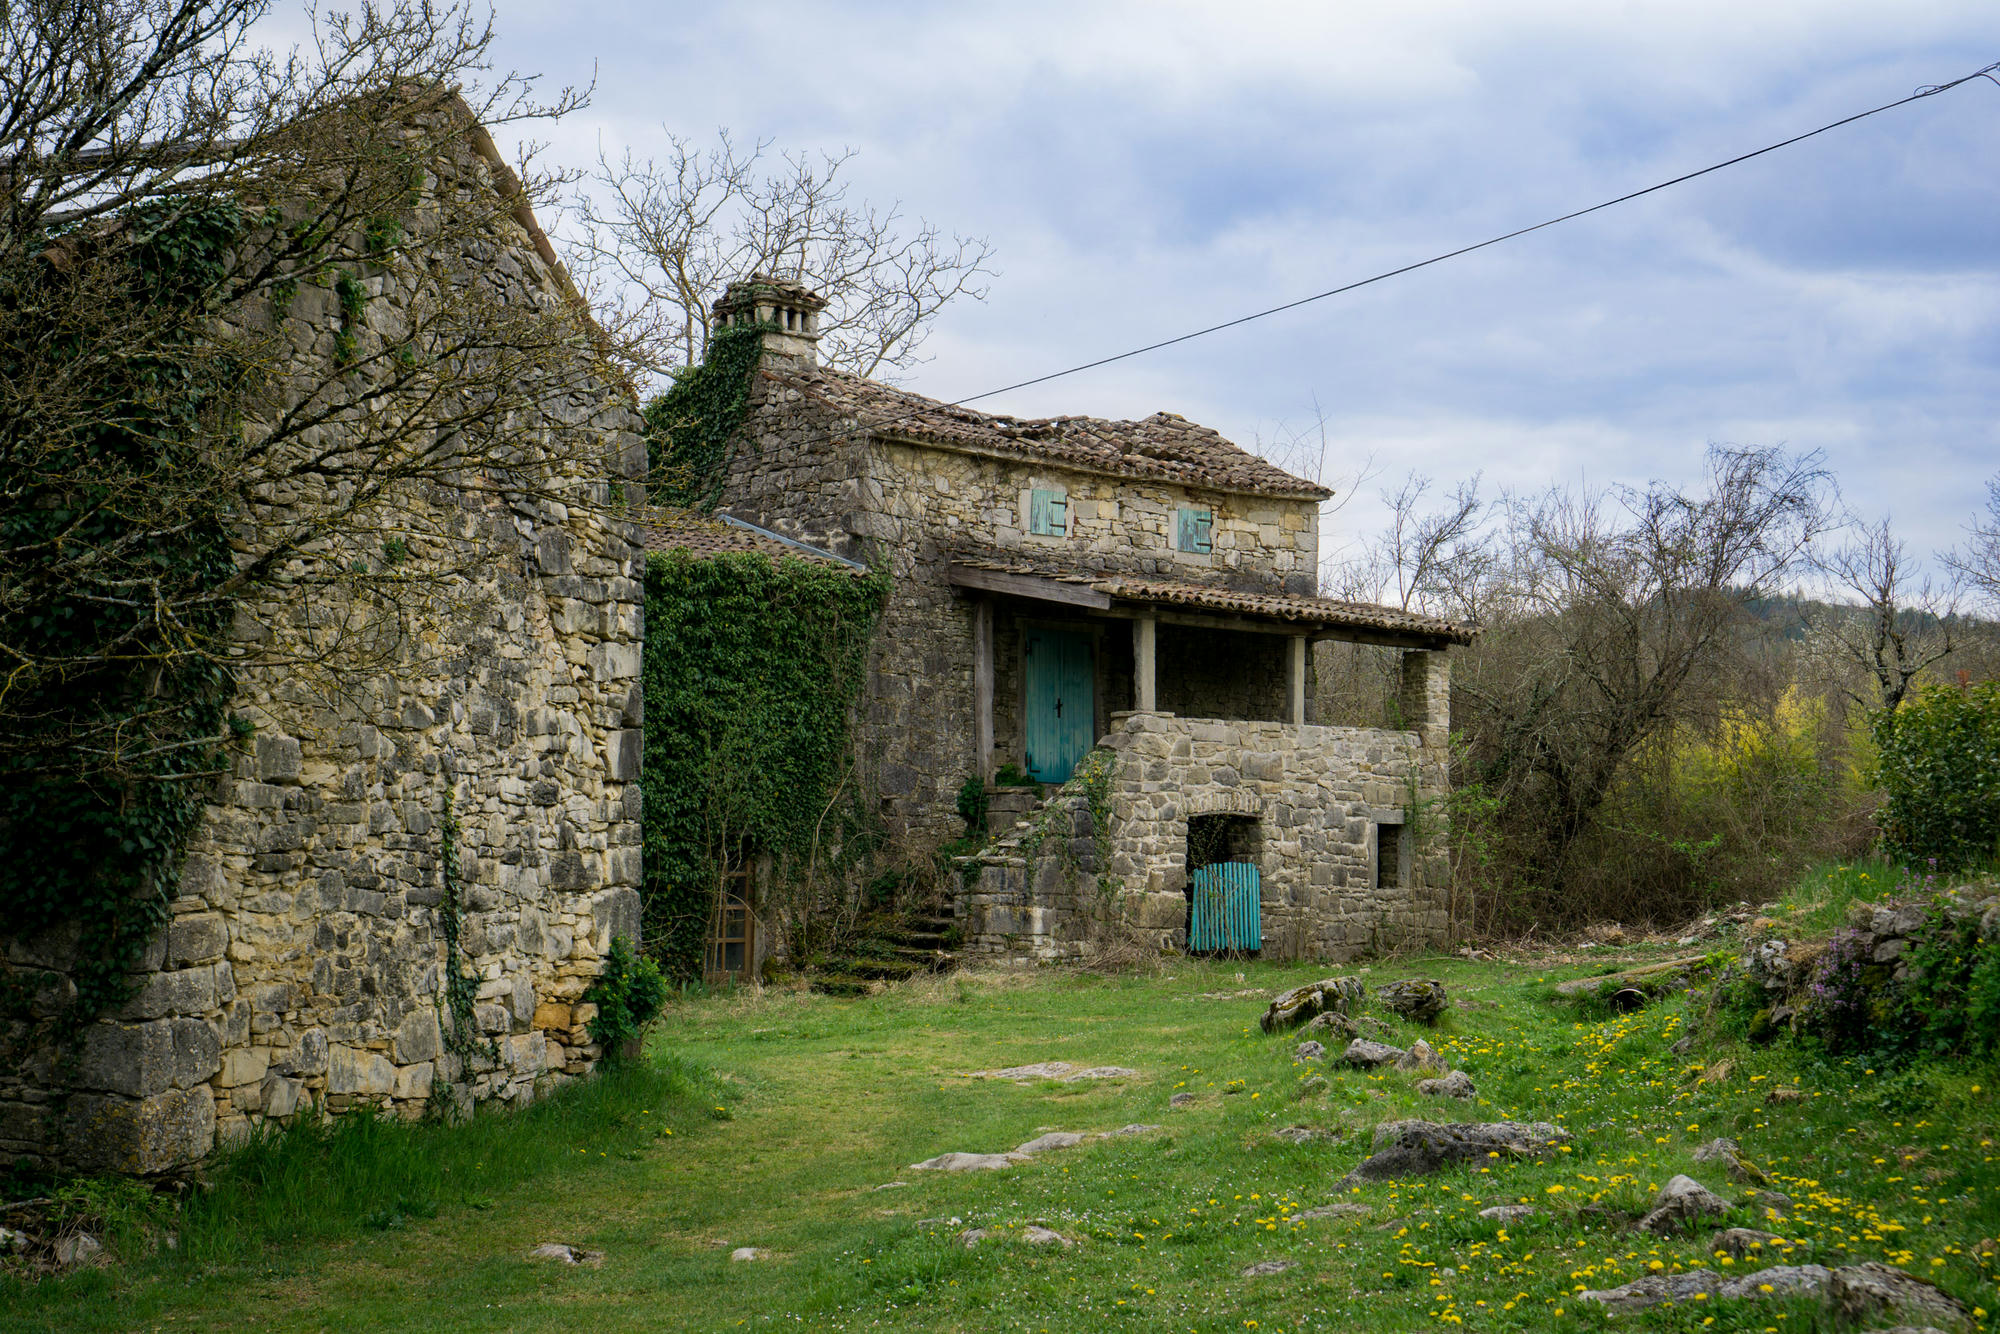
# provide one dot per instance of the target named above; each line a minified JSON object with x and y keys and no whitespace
{"x":787,"y":310}
{"x":767,"y":289}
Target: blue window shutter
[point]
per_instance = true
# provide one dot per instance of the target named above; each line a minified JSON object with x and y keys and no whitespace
{"x":1048,"y":513}
{"x":1191,"y":530}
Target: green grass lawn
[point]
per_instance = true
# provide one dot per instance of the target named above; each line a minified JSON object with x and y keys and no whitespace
{"x":810,"y":1106}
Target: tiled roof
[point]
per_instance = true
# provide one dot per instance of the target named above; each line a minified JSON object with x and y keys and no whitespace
{"x":1163,"y":447}
{"x":1214,"y":597}
{"x":1283,"y":606}
{"x":701,"y":536}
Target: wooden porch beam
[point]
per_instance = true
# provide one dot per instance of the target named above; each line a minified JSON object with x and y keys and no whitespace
{"x":1030,"y":586}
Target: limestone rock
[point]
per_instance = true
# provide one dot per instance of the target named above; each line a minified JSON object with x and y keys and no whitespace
{"x":1328,"y":1211}
{"x":1457,"y":1084}
{"x":78,"y":1248}
{"x":1055,"y":1139}
{"x":1265,"y":1268}
{"x":1866,"y":1291}
{"x":1180,"y":1100}
{"x":1509,"y":1213}
{"x":971,"y":1237}
{"x":1309,"y":1051}
{"x":1420,"y":1056}
{"x":1682,"y":1202}
{"x":1762,"y":1200}
{"x":567,"y":1255}
{"x":1315,"y":1086}
{"x":1331,"y":994}
{"x":1415,"y":1148}
{"x":1300,"y":1134}
{"x":744,"y":1254}
{"x":1364,"y":1054}
{"x":1653,"y":1290}
{"x":966,"y":1162}
{"x":1738,"y":1242}
{"x":1034,"y":1235}
{"x":1060,"y":1071}
{"x":1856,"y":1292}
{"x":1333,"y":1026}
{"x":1419,"y":1001}
{"x":11,"y":1241}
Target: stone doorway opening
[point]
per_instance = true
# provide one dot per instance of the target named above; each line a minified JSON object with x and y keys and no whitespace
{"x":1224,"y":889}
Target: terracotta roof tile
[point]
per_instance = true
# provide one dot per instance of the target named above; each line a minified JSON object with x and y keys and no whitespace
{"x":702,"y":536}
{"x":1214,"y":597}
{"x":1163,"y":447}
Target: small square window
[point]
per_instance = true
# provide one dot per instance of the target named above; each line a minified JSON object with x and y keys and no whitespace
{"x":1191,"y":532}
{"x":1048,"y":512}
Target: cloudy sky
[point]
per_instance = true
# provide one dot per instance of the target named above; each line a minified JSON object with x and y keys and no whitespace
{"x":1146,"y":168}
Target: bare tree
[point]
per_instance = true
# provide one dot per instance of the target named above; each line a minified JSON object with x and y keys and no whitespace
{"x":248,"y":357}
{"x":1619,"y":610}
{"x":1901,"y":625}
{"x":661,"y":238}
{"x":1978,"y":563}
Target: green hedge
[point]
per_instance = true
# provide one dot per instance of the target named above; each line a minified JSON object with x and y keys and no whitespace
{"x":1940,"y":772}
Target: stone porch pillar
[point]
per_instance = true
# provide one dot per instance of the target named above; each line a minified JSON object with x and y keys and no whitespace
{"x":1298,"y":680}
{"x":982,"y":689}
{"x":1145,"y":639}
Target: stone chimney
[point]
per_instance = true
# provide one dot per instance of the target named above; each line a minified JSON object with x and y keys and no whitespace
{"x":789,"y":309}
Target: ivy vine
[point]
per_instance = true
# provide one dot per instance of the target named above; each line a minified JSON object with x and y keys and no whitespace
{"x":689,"y":428}
{"x":457,"y":989}
{"x":752,"y":667}
{"x":110,"y":820}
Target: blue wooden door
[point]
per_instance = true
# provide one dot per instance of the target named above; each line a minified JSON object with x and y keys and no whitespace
{"x":1061,"y":703}
{"x":1228,"y":909}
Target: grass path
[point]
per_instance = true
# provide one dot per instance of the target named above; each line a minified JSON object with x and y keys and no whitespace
{"x":818,"y":1102}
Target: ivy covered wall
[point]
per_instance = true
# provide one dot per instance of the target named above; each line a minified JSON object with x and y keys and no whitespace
{"x":752,"y":667}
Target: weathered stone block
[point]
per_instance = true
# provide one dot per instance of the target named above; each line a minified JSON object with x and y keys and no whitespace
{"x":364,"y":1072}
{"x":133,"y":1059}
{"x":185,"y":991}
{"x":140,"y":1136}
{"x":615,"y":912}
{"x":195,"y":938}
{"x":418,"y":1037}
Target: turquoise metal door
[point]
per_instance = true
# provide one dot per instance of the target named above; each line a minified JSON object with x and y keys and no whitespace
{"x":1061,"y":702}
{"x":1228,"y":909}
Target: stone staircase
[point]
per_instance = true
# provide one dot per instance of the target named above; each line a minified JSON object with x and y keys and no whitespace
{"x":1007,"y":807}
{"x":889,"y":947}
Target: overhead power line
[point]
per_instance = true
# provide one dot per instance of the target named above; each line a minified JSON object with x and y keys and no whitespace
{"x":1933,"y":90}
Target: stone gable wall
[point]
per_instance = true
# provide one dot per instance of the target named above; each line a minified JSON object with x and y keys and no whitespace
{"x":303,"y":961}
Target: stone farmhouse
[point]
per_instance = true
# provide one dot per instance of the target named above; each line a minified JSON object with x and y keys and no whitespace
{"x":305,"y":958}
{"x":1069,"y":587}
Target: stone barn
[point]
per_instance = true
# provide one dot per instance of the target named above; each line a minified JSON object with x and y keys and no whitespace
{"x":1122,"y":612}
{"x":311,"y":935}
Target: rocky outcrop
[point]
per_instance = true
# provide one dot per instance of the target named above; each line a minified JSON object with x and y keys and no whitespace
{"x":1330,"y":995}
{"x":1420,"y":1001}
{"x":1417,"y":1148}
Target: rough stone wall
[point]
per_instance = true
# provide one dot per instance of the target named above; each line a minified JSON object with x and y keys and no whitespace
{"x":1319,"y":794}
{"x":303,"y":961}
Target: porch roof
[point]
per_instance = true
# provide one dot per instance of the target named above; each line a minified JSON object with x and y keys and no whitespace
{"x":1199,"y":603}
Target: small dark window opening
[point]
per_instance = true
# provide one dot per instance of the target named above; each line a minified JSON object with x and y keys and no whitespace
{"x":1388,"y":856}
